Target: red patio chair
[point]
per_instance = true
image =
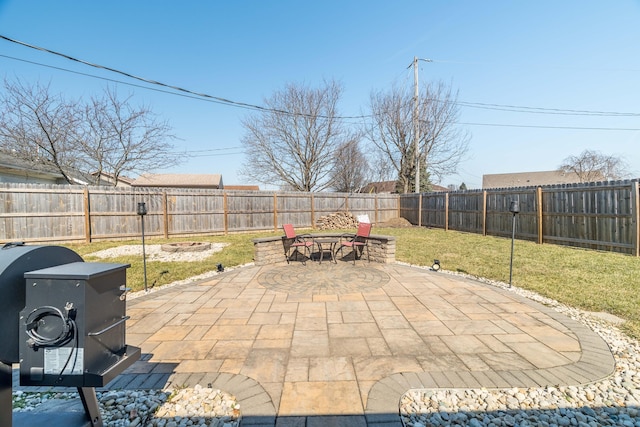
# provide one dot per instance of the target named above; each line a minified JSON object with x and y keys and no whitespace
{"x":358,"y":240}
{"x":304,"y":241}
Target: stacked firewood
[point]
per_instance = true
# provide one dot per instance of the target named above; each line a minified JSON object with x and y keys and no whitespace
{"x":336,"y":221}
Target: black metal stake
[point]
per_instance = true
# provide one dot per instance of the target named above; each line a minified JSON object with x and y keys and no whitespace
{"x":514,"y":208}
{"x":142,"y":211}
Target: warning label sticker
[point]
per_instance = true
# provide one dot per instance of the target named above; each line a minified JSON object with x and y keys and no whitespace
{"x":63,"y":361}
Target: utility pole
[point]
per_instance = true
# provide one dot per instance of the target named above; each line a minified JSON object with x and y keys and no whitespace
{"x":416,"y":123}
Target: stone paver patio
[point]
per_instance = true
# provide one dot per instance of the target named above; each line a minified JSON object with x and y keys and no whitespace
{"x":340,"y":344}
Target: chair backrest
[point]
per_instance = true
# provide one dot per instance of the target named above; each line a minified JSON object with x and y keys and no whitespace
{"x":289,"y":231}
{"x":364,"y":229}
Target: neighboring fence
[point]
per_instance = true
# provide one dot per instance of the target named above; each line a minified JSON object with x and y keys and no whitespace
{"x":49,"y":213}
{"x":602,"y":215}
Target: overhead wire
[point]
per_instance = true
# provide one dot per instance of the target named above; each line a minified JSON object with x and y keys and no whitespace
{"x":120,"y":81}
{"x":541,"y":110}
{"x":211,"y":98}
{"x":155,"y":82}
{"x":547,"y":127}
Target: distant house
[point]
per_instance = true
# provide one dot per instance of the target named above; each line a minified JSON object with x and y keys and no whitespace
{"x":380,"y":187}
{"x":526,"y":179}
{"x":390,"y":187}
{"x":242,"y":187}
{"x":438,"y":188}
{"x":102,"y":178}
{"x":179,"y":180}
{"x":15,"y":170}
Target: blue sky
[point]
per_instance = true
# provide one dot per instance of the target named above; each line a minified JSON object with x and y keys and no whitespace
{"x":564,"y":55}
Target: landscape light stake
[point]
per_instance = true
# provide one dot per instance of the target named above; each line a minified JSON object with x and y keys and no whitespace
{"x":142,"y":211}
{"x":514,"y":208}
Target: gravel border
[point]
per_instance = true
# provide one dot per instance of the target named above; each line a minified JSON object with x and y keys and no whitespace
{"x":614,"y":401}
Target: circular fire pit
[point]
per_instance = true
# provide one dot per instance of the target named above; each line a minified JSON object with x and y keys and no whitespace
{"x":186,"y":247}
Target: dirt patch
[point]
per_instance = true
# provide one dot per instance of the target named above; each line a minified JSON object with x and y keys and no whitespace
{"x":395,"y":223}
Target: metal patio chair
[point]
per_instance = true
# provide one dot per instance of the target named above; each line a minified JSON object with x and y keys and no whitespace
{"x":358,"y":240}
{"x":294,"y":242}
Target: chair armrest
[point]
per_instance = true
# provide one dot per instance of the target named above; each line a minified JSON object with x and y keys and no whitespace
{"x":347,"y":236}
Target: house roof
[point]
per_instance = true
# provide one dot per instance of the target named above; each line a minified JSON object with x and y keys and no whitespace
{"x":109,"y":177}
{"x":242,"y":187}
{"x":380,"y":187}
{"x":526,"y":179}
{"x":179,"y":180}
{"x":390,"y":187}
{"x":12,"y":164}
{"x":437,"y":188}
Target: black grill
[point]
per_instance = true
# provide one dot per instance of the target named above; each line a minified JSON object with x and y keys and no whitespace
{"x":63,"y":320}
{"x":15,"y":260}
{"x":74,"y":321}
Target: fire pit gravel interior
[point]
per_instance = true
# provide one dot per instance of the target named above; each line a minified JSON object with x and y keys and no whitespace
{"x":186,"y":247}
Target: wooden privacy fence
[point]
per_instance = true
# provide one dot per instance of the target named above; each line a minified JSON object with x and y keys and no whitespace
{"x":48,"y":213}
{"x":602,"y":215}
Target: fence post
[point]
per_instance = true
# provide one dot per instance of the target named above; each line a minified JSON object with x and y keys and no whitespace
{"x":275,"y":211}
{"x":539,"y":214}
{"x":225,"y":208}
{"x":87,"y":216}
{"x":484,"y":213}
{"x":446,"y":211}
{"x":420,"y":210}
{"x":165,"y":215}
{"x":313,"y":211}
{"x":635,"y":206}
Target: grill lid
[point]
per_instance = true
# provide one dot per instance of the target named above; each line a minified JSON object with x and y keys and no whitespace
{"x":15,"y":260}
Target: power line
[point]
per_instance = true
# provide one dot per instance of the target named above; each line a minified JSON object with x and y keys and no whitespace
{"x":541,"y":110}
{"x":177,"y":88}
{"x":547,"y":127}
{"x":237,"y":147}
{"x":213,"y":155}
{"x":215,"y":99}
{"x":126,"y":74}
{"x":184,"y":95}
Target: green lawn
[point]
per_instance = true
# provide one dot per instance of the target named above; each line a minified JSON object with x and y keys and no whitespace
{"x":591,"y":280}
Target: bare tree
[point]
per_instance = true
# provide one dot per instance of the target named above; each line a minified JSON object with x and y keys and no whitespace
{"x":106,"y":135}
{"x":442,"y":144}
{"x":594,"y":166}
{"x":38,"y":127}
{"x":119,"y":138}
{"x":351,"y":170}
{"x":292,"y":143}
{"x":390,"y":132}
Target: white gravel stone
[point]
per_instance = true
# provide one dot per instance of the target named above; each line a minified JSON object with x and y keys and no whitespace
{"x":155,"y":253}
{"x":609,"y":402}
{"x":152,"y":408}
